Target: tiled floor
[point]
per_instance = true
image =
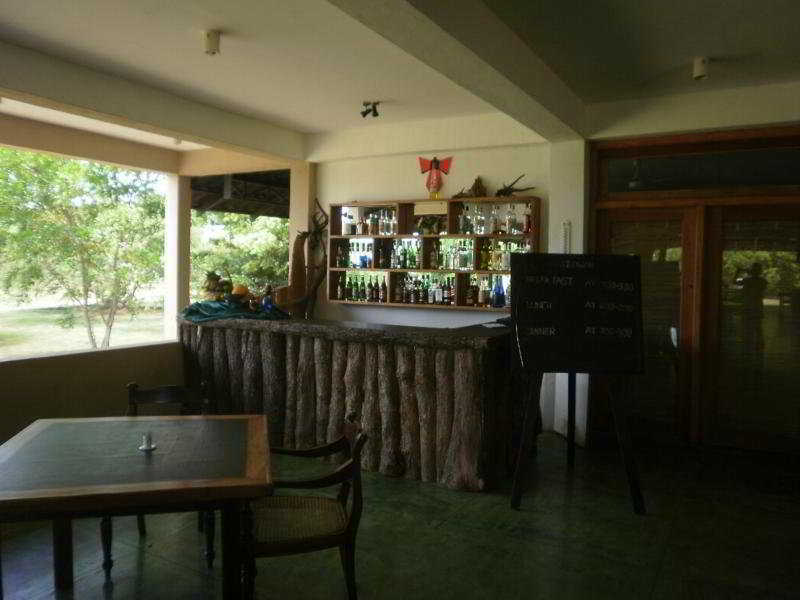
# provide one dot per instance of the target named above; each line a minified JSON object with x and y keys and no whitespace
{"x":718,"y":527}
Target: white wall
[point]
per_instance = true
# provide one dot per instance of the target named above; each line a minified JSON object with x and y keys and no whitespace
{"x":398,"y":178}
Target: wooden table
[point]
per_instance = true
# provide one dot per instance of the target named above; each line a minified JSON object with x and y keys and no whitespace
{"x":62,"y":469}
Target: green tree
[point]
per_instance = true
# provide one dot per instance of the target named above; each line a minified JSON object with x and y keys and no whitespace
{"x":249,"y":250}
{"x":90,"y":232}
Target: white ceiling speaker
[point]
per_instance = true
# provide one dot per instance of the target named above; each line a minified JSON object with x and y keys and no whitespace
{"x":700,"y":68}
{"x":211,"y":39}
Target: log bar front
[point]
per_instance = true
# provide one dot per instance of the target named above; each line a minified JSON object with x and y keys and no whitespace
{"x":435,"y":402}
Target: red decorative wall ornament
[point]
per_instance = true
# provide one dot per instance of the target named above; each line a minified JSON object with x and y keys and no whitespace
{"x":434,"y":168}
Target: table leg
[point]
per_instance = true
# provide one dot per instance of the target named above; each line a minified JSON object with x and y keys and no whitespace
{"x":231,"y":554}
{"x":62,"y":553}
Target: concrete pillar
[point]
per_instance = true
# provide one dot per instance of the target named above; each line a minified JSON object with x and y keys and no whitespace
{"x":567,"y":205}
{"x":177,"y":229}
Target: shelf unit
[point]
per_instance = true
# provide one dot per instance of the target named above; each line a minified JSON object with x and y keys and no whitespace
{"x":404,"y":211}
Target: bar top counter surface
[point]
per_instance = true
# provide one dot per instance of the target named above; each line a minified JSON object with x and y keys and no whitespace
{"x":472,"y":336}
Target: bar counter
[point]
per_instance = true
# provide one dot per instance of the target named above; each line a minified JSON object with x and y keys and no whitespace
{"x":433,"y":401}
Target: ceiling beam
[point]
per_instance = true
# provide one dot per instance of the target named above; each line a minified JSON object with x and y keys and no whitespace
{"x":41,"y":79}
{"x":467,"y":43}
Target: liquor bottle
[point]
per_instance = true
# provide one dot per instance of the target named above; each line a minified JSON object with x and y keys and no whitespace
{"x":370,"y":290}
{"x":445,"y":292}
{"x":494,"y":220}
{"x":499,"y":295}
{"x":484,"y":265}
{"x":528,"y":220}
{"x":398,"y":290}
{"x":511,"y":220}
{"x":452,"y":287}
{"x":382,"y":296}
{"x":433,"y":256}
{"x":506,"y":256}
{"x":433,"y":292}
{"x":469,"y":297}
{"x":340,"y":289}
{"x":403,"y":256}
{"x":369,"y":256}
{"x":348,"y":290}
{"x":423,"y":290}
{"x":483,"y":298}
{"x":468,"y":227}
{"x":508,"y":295}
{"x":393,"y":223}
{"x":480,"y":220}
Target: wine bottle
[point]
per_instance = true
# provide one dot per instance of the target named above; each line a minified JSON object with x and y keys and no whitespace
{"x":383,"y":293}
{"x":499,"y":295}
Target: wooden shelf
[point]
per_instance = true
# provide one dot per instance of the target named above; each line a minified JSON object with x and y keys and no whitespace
{"x":442,"y":236}
{"x":426,"y":242}
{"x":434,"y":306}
{"x":441,"y":271}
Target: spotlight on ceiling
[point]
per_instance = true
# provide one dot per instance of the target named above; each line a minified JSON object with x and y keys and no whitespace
{"x":370,"y":108}
{"x":211,"y":38}
{"x":700,"y":68}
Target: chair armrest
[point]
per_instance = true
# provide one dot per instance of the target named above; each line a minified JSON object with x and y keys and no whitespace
{"x":340,"y":445}
{"x":342,"y":474}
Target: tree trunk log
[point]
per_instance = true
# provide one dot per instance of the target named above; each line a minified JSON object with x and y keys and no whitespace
{"x":461,"y":471}
{"x":305,"y":436}
{"x":409,"y":413}
{"x":444,"y":408}
{"x":222,"y":393}
{"x":292,"y":348}
{"x":425,"y":383}
{"x":191,"y":370}
{"x":233,"y":340}
{"x":251,"y":372}
{"x":391,"y":459}
{"x":273,"y":361}
{"x":205,"y":356}
{"x":354,"y":380}
{"x":322,"y":359}
{"x":336,"y":413}
{"x":371,"y":414}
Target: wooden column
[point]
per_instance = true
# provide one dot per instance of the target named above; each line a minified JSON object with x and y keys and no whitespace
{"x":461,"y":469}
{"x":409,"y":412}
{"x":222,"y":388}
{"x":425,"y":384}
{"x":292,"y":348}
{"x":233,"y":341}
{"x":336,"y":413}
{"x":322,"y":372}
{"x":273,"y":363}
{"x":391,"y":461}
{"x":305,"y":391}
{"x":251,"y":372}
{"x":354,"y":379}
{"x":371,"y":413}
{"x":444,"y":408}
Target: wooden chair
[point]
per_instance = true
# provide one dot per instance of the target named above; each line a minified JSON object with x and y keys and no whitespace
{"x":183,"y":401}
{"x":281,"y":525}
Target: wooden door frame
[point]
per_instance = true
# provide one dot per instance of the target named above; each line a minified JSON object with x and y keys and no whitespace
{"x":703,"y":210}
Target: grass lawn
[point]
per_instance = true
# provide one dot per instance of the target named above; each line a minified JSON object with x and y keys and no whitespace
{"x":28,"y":332}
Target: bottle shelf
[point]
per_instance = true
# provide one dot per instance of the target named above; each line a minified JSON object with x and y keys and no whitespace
{"x":442,"y":236}
{"x":406,"y":221}
{"x":433,"y":306}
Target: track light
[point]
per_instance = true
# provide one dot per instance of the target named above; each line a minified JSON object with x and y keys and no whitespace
{"x":211,"y":37}
{"x":370,"y":108}
{"x":700,"y":68}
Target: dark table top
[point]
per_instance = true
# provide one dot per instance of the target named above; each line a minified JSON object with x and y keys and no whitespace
{"x":89,"y":464}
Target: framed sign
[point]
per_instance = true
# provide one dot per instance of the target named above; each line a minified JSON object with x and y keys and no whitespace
{"x":578,"y":312}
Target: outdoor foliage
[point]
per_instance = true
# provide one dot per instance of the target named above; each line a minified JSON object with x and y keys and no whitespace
{"x":89,"y":232}
{"x":780,"y":268}
{"x":249,"y":250}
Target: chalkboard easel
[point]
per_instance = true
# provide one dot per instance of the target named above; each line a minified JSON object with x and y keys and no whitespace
{"x":577,"y":314}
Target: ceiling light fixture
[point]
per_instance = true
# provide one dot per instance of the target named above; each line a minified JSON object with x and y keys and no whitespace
{"x":700,"y":68}
{"x":370,"y":107}
{"x":211,"y":38}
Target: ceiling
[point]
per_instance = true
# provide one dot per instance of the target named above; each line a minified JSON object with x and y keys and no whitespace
{"x":302,"y":64}
{"x":615,"y":49}
{"x":47,"y":115}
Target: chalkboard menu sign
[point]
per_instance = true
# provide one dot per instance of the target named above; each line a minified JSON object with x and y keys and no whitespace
{"x":578,"y":312}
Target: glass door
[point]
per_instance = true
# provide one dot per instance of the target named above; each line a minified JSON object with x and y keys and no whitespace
{"x":753,"y":382}
{"x":662,"y":239}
